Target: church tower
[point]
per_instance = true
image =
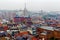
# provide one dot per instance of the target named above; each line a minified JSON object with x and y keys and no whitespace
{"x":25,"y":11}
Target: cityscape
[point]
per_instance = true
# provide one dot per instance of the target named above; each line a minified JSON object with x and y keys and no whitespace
{"x":29,"y":25}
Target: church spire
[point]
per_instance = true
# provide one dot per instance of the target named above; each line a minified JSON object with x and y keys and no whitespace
{"x":25,"y":9}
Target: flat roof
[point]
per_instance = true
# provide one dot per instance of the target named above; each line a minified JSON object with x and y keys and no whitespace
{"x":47,"y":28}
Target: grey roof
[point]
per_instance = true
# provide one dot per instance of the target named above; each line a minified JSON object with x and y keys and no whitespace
{"x":47,"y":28}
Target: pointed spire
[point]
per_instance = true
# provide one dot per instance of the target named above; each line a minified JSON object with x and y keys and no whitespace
{"x":25,"y":9}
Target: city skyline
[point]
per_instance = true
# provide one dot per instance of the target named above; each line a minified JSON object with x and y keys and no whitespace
{"x":32,"y":5}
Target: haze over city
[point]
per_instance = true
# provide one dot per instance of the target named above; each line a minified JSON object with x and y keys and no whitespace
{"x":32,"y":5}
{"x":29,"y":19}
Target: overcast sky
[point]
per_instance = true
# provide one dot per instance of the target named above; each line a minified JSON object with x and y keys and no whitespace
{"x":34,"y":5}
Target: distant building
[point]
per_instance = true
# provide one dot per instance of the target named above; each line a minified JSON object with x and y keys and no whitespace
{"x":24,"y":17}
{"x":7,"y":14}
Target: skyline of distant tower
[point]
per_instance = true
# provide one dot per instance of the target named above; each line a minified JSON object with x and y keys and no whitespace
{"x":25,"y":10}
